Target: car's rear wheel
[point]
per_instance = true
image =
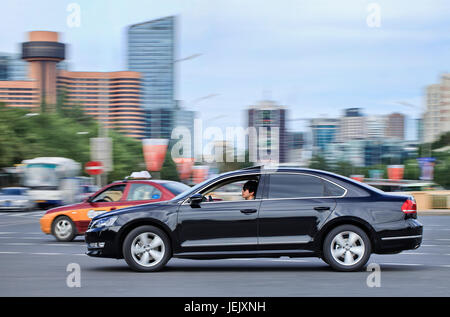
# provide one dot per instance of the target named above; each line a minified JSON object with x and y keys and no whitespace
{"x":146,"y":249}
{"x":64,"y":229}
{"x":347,"y":248}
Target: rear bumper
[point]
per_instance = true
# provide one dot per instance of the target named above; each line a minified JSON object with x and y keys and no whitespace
{"x":404,"y":236}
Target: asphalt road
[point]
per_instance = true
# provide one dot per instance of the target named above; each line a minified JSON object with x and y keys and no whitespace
{"x":35,"y":264}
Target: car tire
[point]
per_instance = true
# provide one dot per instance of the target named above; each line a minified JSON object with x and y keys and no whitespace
{"x":63,"y":229}
{"x":347,"y":248}
{"x":146,"y":249}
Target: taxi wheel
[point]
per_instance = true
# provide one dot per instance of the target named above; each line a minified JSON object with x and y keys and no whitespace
{"x":64,"y":229}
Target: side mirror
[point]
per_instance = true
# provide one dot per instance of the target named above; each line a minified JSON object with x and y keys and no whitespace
{"x":89,"y":199}
{"x":195,"y":200}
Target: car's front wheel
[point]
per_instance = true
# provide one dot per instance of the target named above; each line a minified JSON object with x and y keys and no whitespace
{"x":347,"y":248}
{"x":146,"y":249}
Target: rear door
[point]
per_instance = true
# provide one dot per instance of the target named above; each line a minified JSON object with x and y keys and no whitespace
{"x":293,"y":206}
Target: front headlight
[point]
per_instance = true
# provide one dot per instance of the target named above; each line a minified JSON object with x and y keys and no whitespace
{"x":104,"y":222}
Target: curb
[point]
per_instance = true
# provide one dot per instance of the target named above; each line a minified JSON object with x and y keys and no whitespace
{"x":436,"y":212}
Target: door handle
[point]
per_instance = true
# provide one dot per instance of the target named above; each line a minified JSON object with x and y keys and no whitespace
{"x":113,"y":208}
{"x":321,"y":208}
{"x":248,"y":211}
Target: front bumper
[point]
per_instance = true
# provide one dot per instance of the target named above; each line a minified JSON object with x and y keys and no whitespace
{"x":103,"y":242}
{"x":402,"y":236}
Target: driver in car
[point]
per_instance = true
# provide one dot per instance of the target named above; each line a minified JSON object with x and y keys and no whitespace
{"x":249,"y":190}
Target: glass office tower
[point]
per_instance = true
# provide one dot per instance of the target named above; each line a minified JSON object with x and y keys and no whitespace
{"x":12,"y":67}
{"x":151,"y":51}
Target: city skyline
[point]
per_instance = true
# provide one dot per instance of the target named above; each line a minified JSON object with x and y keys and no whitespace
{"x":317,"y":65}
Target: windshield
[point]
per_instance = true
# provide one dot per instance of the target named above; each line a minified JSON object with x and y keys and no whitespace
{"x":11,"y":191}
{"x":40,"y":175}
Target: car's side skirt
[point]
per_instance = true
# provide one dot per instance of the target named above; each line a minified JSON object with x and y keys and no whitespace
{"x":245,"y":254}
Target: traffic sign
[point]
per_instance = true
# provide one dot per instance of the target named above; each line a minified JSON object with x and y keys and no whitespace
{"x":94,"y":168}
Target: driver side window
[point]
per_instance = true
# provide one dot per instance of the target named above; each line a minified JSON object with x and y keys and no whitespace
{"x":229,"y":190}
{"x":111,"y":194}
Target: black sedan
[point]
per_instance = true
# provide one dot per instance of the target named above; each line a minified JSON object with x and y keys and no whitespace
{"x":258,"y":212}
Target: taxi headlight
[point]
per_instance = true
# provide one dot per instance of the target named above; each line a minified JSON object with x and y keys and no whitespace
{"x":104,"y":222}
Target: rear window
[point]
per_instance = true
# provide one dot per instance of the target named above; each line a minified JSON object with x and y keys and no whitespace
{"x":175,"y":187}
{"x":302,"y":186}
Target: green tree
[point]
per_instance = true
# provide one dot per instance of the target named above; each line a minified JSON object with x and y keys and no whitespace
{"x":319,"y":162}
{"x":169,"y":169}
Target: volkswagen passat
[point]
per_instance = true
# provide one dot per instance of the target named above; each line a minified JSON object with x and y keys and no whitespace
{"x":286,"y":212}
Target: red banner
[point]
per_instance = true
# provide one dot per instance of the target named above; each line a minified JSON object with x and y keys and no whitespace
{"x":154,"y":153}
{"x":395,"y":172}
{"x":199,"y":173}
{"x":184,"y":167}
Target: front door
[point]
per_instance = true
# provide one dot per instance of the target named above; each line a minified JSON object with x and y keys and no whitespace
{"x":224,"y":221}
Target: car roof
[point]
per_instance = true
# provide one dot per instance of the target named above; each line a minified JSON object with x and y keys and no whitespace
{"x":262,"y":168}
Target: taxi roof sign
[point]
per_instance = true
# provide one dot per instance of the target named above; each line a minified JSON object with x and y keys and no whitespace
{"x":139,"y":175}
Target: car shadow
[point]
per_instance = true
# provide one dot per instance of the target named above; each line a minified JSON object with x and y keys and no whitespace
{"x":258,"y":267}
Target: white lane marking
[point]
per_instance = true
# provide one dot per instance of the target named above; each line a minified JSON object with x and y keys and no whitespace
{"x":45,"y":253}
{"x":19,"y":243}
{"x":41,"y":253}
{"x":288,"y":260}
{"x":9,"y":232}
{"x":42,"y":244}
{"x":22,"y":238}
{"x":17,"y":223}
{"x":404,"y":264}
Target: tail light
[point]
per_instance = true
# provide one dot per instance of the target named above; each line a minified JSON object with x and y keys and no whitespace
{"x":409,"y":206}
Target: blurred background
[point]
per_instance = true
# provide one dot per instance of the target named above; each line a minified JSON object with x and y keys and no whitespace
{"x":92,"y":91}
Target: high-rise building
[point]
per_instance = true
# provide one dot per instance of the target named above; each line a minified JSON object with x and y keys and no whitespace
{"x":296,"y":142}
{"x":395,"y":126}
{"x":269,"y":122}
{"x":419,"y":129}
{"x":324,"y":131}
{"x":43,"y":52}
{"x":12,"y":67}
{"x":185,"y":119}
{"x":375,"y":126}
{"x":151,"y":51}
{"x":113,"y":98}
{"x":352,"y":125}
{"x":436,"y":119}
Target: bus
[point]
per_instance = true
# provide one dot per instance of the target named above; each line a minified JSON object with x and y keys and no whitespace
{"x":53,"y":181}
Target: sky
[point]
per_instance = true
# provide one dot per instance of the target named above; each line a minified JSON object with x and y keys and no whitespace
{"x":313,"y":57}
